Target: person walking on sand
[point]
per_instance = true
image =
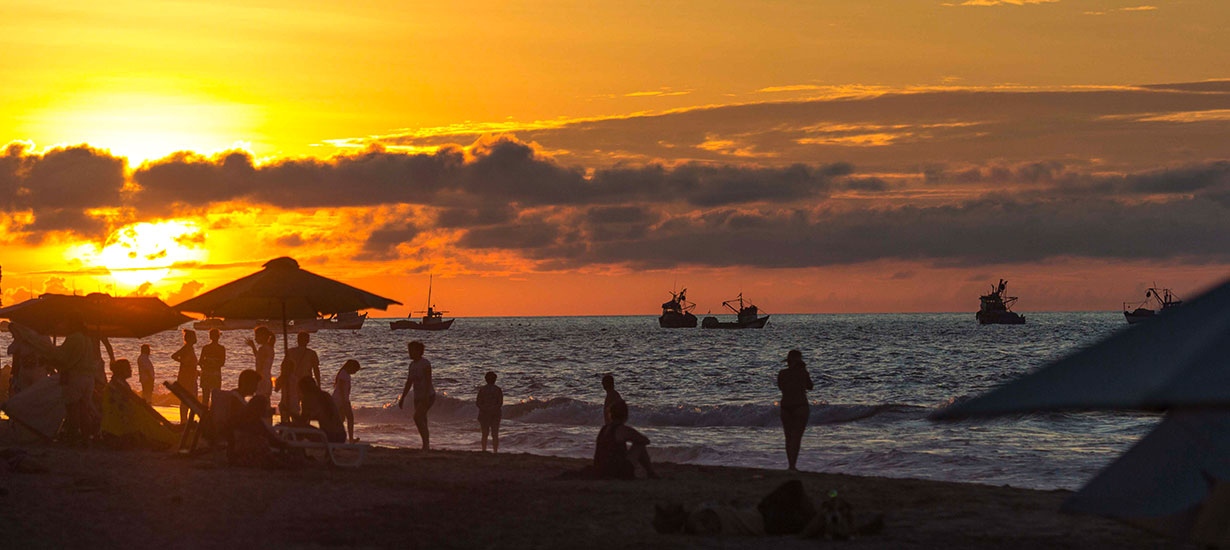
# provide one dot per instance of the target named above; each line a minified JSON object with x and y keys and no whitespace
{"x":213,"y":357}
{"x":612,"y":397}
{"x":186,"y":356}
{"x":794,"y":381}
{"x":418,"y":377}
{"x":490,"y":404}
{"x":341,"y":395}
{"x":145,"y":374}
{"x":262,"y":351}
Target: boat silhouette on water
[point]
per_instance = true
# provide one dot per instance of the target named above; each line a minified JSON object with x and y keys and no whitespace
{"x":996,"y":307}
{"x":431,"y":320}
{"x":746,"y":316}
{"x":677,"y":313}
{"x":1161,"y":298}
{"x":351,"y":320}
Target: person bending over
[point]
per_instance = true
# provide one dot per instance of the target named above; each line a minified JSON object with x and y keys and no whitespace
{"x":318,"y":406}
{"x":613,"y":459}
{"x":341,"y":395}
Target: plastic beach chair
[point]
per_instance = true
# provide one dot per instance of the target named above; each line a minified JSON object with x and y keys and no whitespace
{"x":197,"y":417}
{"x":308,"y":438}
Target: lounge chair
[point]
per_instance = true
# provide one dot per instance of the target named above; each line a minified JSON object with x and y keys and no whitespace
{"x":308,"y":438}
{"x":192,"y":427}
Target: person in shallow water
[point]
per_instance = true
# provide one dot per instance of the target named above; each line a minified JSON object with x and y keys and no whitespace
{"x":341,"y":395}
{"x":490,"y":407}
{"x":613,"y":459}
{"x":794,"y":381}
{"x":418,"y":377}
{"x":145,"y":373}
{"x":262,"y":350}
{"x":186,"y":357}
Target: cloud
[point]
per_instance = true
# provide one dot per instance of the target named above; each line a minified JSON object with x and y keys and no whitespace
{"x":381,"y":243}
{"x":1002,"y":2}
{"x":60,"y":188}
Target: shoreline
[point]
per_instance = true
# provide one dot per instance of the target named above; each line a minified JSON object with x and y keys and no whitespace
{"x":466,"y":499}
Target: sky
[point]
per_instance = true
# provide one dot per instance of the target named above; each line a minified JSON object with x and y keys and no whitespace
{"x":574,"y":158}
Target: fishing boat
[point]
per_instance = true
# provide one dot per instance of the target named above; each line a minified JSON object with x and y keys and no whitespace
{"x":677,"y":313}
{"x":431,"y":319}
{"x":351,"y":320}
{"x":746,"y":316}
{"x":996,"y":307}
{"x":1160,"y":298}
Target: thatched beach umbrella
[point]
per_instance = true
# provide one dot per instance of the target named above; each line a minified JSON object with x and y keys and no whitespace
{"x":103,"y":315}
{"x":283,"y":291}
{"x":1175,"y":480}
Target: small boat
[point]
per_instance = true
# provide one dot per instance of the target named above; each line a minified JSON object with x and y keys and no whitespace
{"x":1161,"y":298}
{"x":677,"y":313}
{"x":996,"y":307}
{"x":747,"y":316}
{"x":351,"y":320}
{"x":431,"y":320}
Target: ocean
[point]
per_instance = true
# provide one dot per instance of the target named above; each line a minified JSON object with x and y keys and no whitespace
{"x":709,"y":396}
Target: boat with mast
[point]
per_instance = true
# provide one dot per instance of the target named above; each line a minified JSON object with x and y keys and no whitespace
{"x":1160,"y":298}
{"x":431,"y":320}
{"x":996,"y":307}
{"x":746,"y":316}
{"x":677,"y":313}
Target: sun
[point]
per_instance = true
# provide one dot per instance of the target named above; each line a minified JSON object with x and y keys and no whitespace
{"x":145,"y":252}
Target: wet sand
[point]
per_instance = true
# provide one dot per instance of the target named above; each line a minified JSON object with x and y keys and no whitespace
{"x":450,"y":499}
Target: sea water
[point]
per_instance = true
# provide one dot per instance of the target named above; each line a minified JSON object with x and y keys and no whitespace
{"x":709,"y":396}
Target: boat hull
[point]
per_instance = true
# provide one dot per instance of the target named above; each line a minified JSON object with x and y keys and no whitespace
{"x":713,"y":322}
{"x":999,"y":318}
{"x":675,"y":320}
{"x":407,"y":324}
{"x":1140,"y":314}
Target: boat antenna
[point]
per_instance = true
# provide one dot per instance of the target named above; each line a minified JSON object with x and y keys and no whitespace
{"x":429,"y":291}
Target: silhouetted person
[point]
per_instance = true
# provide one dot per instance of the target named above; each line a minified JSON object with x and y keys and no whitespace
{"x":341,"y":395}
{"x":28,"y":367}
{"x":213,"y":357}
{"x":318,"y":406}
{"x":612,"y":397}
{"x":121,"y":371}
{"x":490,"y":404}
{"x":613,"y":459}
{"x":418,"y":377}
{"x":304,"y":363}
{"x":75,"y":363}
{"x":794,"y":381}
{"x":186,"y":356}
{"x":145,"y":373}
{"x":262,"y":351}
{"x":252,"y":440}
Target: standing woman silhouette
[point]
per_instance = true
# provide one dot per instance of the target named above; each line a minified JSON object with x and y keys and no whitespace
{"x":794,"y":381}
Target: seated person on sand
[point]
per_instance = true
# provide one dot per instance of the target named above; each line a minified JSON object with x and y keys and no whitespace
{"x":252,"y":439}
{"x":318,"y":405}
{"x":613,"y":459}
{"x":121,"y":371}
{"x":226,"y":406}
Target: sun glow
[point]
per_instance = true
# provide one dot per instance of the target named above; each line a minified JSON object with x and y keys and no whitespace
{"x":145,"y":252}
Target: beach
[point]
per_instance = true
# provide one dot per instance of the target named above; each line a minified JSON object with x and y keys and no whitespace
{"x":462,"y":499}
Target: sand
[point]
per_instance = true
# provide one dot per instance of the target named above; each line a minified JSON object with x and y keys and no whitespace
{"x":450,"y":499}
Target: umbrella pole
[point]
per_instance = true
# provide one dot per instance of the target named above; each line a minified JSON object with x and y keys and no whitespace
{"x":285,"y":343}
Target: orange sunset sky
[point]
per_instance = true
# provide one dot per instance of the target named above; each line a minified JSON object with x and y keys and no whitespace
{"x":571,"y":158}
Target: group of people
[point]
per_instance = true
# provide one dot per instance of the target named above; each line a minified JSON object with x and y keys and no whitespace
{"x":619,"y":448}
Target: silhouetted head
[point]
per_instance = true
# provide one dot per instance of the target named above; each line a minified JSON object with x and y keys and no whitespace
{"x":261,"y":334}
{"x":189,"y":337}
{"x":248,"y":381}
{"x":619,"y":412}
{"x":307,"y":383}
{"x":304,"y":338}
{"x":795,"y":358}
{"x":490,"y":377}
{"x":121,"y":369}
{"x":608,"y":382}
{"x":214,"y":335}
{"x":351,"y":366}
{"x":144,"y":349}
{"x":416,"y":349}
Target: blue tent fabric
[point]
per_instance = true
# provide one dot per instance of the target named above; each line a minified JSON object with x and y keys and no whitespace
{"x":1169,"y":471}
{"x":1179,"y":359}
